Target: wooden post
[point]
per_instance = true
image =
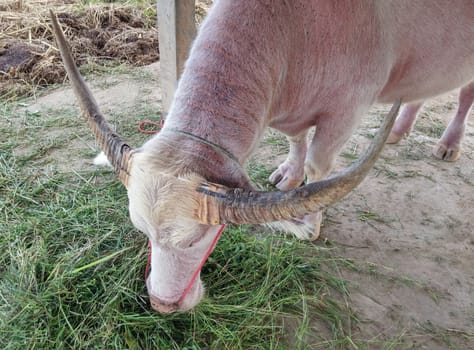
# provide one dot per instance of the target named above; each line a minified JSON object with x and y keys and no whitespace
{"x":176,"y":31}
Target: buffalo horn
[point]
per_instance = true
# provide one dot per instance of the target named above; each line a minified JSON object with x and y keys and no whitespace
{"x":117,"y":151}
{"x":219,"y":204}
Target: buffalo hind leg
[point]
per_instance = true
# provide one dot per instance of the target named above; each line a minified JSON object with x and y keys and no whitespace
{"x":404,"y":122}
{"x":448,"y":147}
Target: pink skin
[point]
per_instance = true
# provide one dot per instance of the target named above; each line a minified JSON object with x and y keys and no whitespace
{"x":291,"y":66}
{"x":448,"y":147}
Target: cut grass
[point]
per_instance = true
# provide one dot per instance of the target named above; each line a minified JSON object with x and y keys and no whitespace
{"x":72,"y":266}
{"x":72,"y":276}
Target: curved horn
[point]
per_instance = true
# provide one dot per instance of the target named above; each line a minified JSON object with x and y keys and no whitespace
{"x":219,"y":204}
{"x":117,"y":151}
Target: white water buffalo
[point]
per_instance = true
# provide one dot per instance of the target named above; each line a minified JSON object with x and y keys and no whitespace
{"x":290,"y":65}
{"x":448,"y":147}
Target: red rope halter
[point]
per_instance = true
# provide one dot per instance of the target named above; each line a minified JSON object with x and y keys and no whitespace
{"x":198,"y":269}
{"x":146,"y":127}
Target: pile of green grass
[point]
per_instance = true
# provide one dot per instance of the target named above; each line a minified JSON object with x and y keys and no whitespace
{"x":72,"y":266}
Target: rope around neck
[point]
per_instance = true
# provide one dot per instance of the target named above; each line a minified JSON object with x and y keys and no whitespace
{"x":149,"y":127}
{"x":206,"y":142}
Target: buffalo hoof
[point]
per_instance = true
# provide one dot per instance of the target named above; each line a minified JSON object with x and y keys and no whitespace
{"x":312,"y":226}
{"x":315,"y":221}
{"x":394,"y":138}
{"x":446,"y":153}
{"x":287,"y":176}
{"x":306,"y":228}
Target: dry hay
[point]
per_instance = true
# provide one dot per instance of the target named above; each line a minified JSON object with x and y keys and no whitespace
{"x":98,"y":33}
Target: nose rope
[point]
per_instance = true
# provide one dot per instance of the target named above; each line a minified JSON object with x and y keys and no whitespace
{"x":145,"y":127}
{"x":201,"y":264}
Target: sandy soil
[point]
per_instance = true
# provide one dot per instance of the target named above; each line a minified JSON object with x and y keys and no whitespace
{"x":408,"y":227}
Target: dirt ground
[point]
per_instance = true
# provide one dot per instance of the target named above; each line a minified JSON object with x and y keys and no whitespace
{"x":407,"y":228}
{"x":99,"y":33}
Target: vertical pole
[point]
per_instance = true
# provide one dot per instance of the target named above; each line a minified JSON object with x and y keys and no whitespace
{"x":176,"y":31}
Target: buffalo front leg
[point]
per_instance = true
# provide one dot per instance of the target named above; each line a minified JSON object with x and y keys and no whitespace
{"x":290,"y":174}
{"x":330,"y":136}
{"x":448,"y":147}
{"x":404,"y":123}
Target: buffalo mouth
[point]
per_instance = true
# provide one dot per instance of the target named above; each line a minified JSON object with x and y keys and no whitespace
{"x":164,"y":307}
{"x":158,"y":304}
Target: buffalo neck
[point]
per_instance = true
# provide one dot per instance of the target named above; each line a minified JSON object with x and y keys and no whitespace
{"x":227,"y":88}
{"x":179,"y":155}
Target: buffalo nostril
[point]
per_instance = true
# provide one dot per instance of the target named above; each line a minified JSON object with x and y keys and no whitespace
{"x":182,"y":304}
{"x":157,"y":304}
{"x":161,"y":307}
